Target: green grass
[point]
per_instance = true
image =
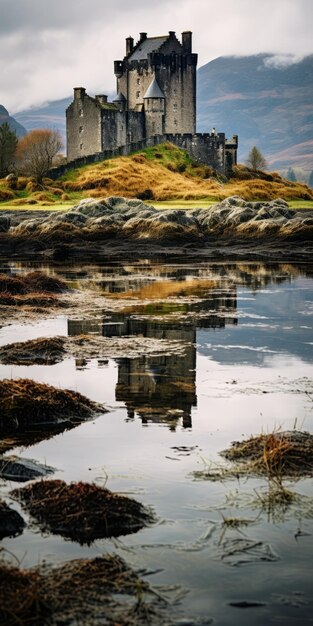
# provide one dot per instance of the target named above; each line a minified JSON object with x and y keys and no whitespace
{"x":183,"y":204}
{"x":170,"y":204}
{"x":300,"y":204}
{"x":6,"y":206}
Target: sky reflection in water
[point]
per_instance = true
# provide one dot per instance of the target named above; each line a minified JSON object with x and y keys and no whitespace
{"x":247,"y":368}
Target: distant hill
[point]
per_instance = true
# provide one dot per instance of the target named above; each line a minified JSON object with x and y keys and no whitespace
{"x":49,"y":115}
{"x":14,"y":125}
{"x":264,"y":101}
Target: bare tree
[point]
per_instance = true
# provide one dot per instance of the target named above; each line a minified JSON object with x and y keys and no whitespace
{"x":36,"y":151}
{"x":256,"y":159}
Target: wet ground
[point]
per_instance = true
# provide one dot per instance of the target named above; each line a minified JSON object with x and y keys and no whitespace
{"x":236,"y":360}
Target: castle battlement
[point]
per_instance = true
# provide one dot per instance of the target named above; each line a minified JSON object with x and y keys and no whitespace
{"x":156,"y":97}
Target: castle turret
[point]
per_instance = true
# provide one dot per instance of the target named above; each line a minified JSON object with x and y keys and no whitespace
{"x":154,"y":106}
{"x":120,"y":101}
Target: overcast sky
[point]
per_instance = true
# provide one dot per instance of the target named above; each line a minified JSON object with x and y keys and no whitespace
{"x":48,"y":47}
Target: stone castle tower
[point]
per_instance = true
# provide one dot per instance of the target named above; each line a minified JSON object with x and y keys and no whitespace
{"x":155,"y":102}
{"x":158,"y":75}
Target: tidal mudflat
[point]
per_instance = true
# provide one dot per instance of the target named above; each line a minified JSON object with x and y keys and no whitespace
{"x":180,"y":360}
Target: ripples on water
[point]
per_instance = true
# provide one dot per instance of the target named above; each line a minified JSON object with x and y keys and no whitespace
{"x":247,"y":368}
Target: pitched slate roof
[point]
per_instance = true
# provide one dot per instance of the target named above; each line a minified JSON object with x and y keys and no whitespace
{"x":151,"y":44}
{"x":154,"y":90}
{"x":119,"y":98}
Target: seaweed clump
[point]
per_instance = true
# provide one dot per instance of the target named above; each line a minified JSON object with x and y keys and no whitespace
{"x":24,"y":403}
{"x":31,"y":282}
{"x":80,"y":591}
{"x":82,"y":511}
{"x":33,"y":289}
{"x":11,"y":522}
{"x":276,"y":455}
{"x":42,"y":351}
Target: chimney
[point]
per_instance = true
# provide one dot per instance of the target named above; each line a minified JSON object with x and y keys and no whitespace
{"x":79,"y":93}
{"x":187,"y":41}
{"x":102,"y":98}
{"x":171,"y":34}
{"x":129,"y":45}
{"x":143,"y":36}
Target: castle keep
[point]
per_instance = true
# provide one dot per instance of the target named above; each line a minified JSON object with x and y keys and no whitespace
{"x":155,"y":102}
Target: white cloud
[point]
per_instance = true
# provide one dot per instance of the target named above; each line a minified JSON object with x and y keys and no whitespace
{"x":47,"y":48}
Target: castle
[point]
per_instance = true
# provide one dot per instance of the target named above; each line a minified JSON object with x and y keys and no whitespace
{"x":155,"y":102}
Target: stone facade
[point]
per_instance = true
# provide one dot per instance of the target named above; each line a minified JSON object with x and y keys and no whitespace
{"x":155,"y":102}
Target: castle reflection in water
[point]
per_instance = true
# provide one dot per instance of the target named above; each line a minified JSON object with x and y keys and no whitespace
{"x":162,"y":388}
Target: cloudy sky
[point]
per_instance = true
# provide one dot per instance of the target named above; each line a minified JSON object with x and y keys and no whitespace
{"x":48,"y":47}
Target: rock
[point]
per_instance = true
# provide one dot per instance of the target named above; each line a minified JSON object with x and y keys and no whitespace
{"x":11,"y":181}
{"x":11,"y":522}
{"x":20,"y":470}
{"x":5,"y":223}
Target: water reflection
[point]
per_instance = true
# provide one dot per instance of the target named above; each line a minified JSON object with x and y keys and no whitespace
{"x":162,"y":388}
{"x":248,"y":331}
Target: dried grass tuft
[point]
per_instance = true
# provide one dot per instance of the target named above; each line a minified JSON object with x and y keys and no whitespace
{"x":275,"y":455}
{"x":77,"y":592}
{"x":42,"y":351}
{"x":32,"y":282}
{"x":24,"y":403}
{"x":82,"y":511}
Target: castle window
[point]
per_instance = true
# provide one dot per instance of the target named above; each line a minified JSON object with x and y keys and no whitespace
{"x":81,"y":146}
{"x":137,"y":94}
{"x":81,"y":112}
{"x":175,"y":122}
{"x":175,"y":107}
{"x":138,"y":81}
{"x":174,"y":92}
{"x":81,"y":129}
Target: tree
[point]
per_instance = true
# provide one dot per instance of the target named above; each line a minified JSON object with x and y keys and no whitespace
{"x":8,"y":144}
{"x":291,"y":175}
{"x":256,"y":159}
{"x":36,"y":151}
{"x":310,"y":181}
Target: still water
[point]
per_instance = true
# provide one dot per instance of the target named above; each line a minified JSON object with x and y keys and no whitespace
{"x":246,"y":369}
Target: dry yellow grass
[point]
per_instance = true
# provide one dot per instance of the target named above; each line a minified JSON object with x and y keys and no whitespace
{"x":162,"y":173}
{"x":135,"y":175}
{"x":127,"y":176}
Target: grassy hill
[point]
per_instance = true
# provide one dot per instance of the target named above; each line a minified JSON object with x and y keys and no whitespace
{"x":160,"y":174}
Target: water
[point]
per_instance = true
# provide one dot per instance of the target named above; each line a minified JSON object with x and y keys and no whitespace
{"x":247,"y":368}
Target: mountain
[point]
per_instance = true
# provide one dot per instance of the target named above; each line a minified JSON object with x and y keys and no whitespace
{"x":264,"y":99}
{"x":14,"y":125}
{"x":49,"y":115}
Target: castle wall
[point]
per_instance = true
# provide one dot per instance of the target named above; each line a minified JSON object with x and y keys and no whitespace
{"x":139,"y":78}
{"x":114,"y":129}
{"x":205,"y":148}
{"x":154,"y":116}
{"x":83,"y":127}
{"x":136,"y":126}
{"x":177,"y":79}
